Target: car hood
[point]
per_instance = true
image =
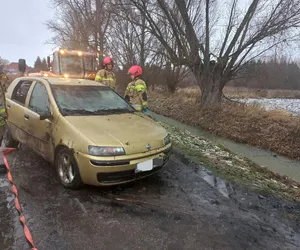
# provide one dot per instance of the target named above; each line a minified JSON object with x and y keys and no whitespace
{"x":131,"y":131}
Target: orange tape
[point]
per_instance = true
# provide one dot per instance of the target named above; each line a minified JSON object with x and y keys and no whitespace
{"x":17,"y":204}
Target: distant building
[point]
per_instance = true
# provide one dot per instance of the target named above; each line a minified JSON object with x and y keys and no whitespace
{"x":13,"y":69}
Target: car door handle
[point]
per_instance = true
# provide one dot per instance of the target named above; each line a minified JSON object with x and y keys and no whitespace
{"x":8,"y":106}
{"x":26,"y":117}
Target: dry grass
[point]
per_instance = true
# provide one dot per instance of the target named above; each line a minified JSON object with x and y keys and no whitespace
{"x":274,"y":130}
{"x":235,"y":92}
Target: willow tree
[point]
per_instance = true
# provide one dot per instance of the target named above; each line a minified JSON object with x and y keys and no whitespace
{"x":215,"y":39}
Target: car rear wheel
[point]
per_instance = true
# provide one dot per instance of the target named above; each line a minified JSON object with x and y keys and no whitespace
{"x":67,"y":169}
{"x":8,"y":140}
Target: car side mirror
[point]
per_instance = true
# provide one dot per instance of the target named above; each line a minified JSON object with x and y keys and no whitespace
{"x":22,"y":65}
{"x":45,"y":115}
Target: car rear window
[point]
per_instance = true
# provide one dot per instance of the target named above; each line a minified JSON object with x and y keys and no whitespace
{"x":89,"y":100}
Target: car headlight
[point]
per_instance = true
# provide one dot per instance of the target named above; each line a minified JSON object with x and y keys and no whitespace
{"x":105,"y":151}
{"x":167,"y":140}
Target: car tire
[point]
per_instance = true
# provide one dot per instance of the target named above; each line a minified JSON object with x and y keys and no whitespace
{"x":67,"y":169}
{"x":8,"y":140}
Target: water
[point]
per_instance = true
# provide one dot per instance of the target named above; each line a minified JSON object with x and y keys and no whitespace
{"x":276,"y":163}
{"x":219,"y":184}
{"x":291,"y":105}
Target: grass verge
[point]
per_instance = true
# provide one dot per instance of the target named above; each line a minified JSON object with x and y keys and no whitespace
{"x":232,"y":167}
{"x":278,"y":131}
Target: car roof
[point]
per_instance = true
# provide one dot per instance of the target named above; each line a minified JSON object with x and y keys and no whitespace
{"x":71,"y":81}
{"x":63,"y":81}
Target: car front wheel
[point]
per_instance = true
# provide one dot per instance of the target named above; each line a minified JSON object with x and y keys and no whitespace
{"x":67,"y":169}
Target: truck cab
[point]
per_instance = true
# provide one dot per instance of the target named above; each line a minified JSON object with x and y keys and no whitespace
{"x":73,"y":64}
{"x":68,"y":64}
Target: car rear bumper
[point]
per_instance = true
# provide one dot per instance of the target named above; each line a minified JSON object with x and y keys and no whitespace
{"x":98,"y":172}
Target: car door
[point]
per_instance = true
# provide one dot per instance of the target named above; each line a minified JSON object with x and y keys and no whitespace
{"x":16,"y":110}
{"x":39,"y":131}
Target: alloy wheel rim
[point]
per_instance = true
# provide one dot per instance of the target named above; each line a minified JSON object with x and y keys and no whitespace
{"x":66,"y":171}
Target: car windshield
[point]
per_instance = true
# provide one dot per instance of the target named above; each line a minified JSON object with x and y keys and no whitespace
{"x":89,"y":100}
{"x":89,"y":63}
{"x":71,"y":64}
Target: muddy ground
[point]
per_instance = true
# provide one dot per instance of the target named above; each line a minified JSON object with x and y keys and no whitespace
{"x":182,"y":207}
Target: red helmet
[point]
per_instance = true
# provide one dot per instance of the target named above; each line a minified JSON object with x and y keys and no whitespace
{"x":135,"y":70}
{"x":107,"y":60}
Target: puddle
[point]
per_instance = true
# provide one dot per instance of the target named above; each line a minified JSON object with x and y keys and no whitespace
{"x":9,"y":216}
{"x":276,"y":163}
{"x":219,"y":184}
{"x":3,"y":181}
{"x":9,"y":200}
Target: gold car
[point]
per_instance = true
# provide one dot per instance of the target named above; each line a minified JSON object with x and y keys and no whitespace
{"x":90,"y":133}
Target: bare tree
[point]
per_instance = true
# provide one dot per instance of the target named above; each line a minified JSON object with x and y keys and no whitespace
{"x":216,"y":45}
{"x":81,"y":24}
{"x":128,"y":42}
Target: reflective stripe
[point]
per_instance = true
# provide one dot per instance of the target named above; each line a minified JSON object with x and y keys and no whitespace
{"x":140,"y":87}
{"x":130,"y":87}
{"x":137,"y":107}
{"x":98,"y":78}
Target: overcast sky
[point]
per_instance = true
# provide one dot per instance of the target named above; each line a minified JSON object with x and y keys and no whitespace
{"x":23,"y":33}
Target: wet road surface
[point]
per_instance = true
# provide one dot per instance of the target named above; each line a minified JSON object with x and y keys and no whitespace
{"x":182,"y":207}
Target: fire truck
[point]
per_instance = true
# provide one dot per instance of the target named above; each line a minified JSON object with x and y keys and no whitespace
{"x":68,"y":64}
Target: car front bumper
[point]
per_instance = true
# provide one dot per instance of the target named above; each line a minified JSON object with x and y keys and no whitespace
{"x":99,"y":171}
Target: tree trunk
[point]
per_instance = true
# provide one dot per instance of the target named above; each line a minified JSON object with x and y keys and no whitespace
{"x":211,"y":83}
{"x":211,"y":91}
{"x":143,"y":35}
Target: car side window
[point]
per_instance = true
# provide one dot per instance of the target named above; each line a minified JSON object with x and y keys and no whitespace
{"x":39,"y":100}
{"x":20,"y":92}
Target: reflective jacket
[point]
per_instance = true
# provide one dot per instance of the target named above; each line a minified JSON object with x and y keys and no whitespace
{"x":2,"y":102}
{"x":136,"y":92}
{"x":2,"y":115}
{"x":106,"y":77}
{"x":3,"y":76}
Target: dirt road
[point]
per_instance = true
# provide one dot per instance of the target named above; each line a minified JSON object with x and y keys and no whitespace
{"x":182,"y":207}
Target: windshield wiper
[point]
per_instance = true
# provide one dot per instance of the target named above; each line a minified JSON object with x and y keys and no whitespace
{"x":96,"y":112}
{"x":113,"y":111}
{"x":77,"y":112}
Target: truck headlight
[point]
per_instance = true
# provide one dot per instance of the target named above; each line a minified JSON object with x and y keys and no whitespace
{"x":105,"y":151}
{"x":167,"y":140}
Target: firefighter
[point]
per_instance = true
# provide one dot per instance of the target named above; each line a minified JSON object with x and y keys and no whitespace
{"x":136,"y":91}
{"x":3,"y":115}
{"x":106,"y":75}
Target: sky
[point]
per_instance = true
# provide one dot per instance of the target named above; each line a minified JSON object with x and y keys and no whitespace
{"x":23,"y":29}
{"x":23,"y":32}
